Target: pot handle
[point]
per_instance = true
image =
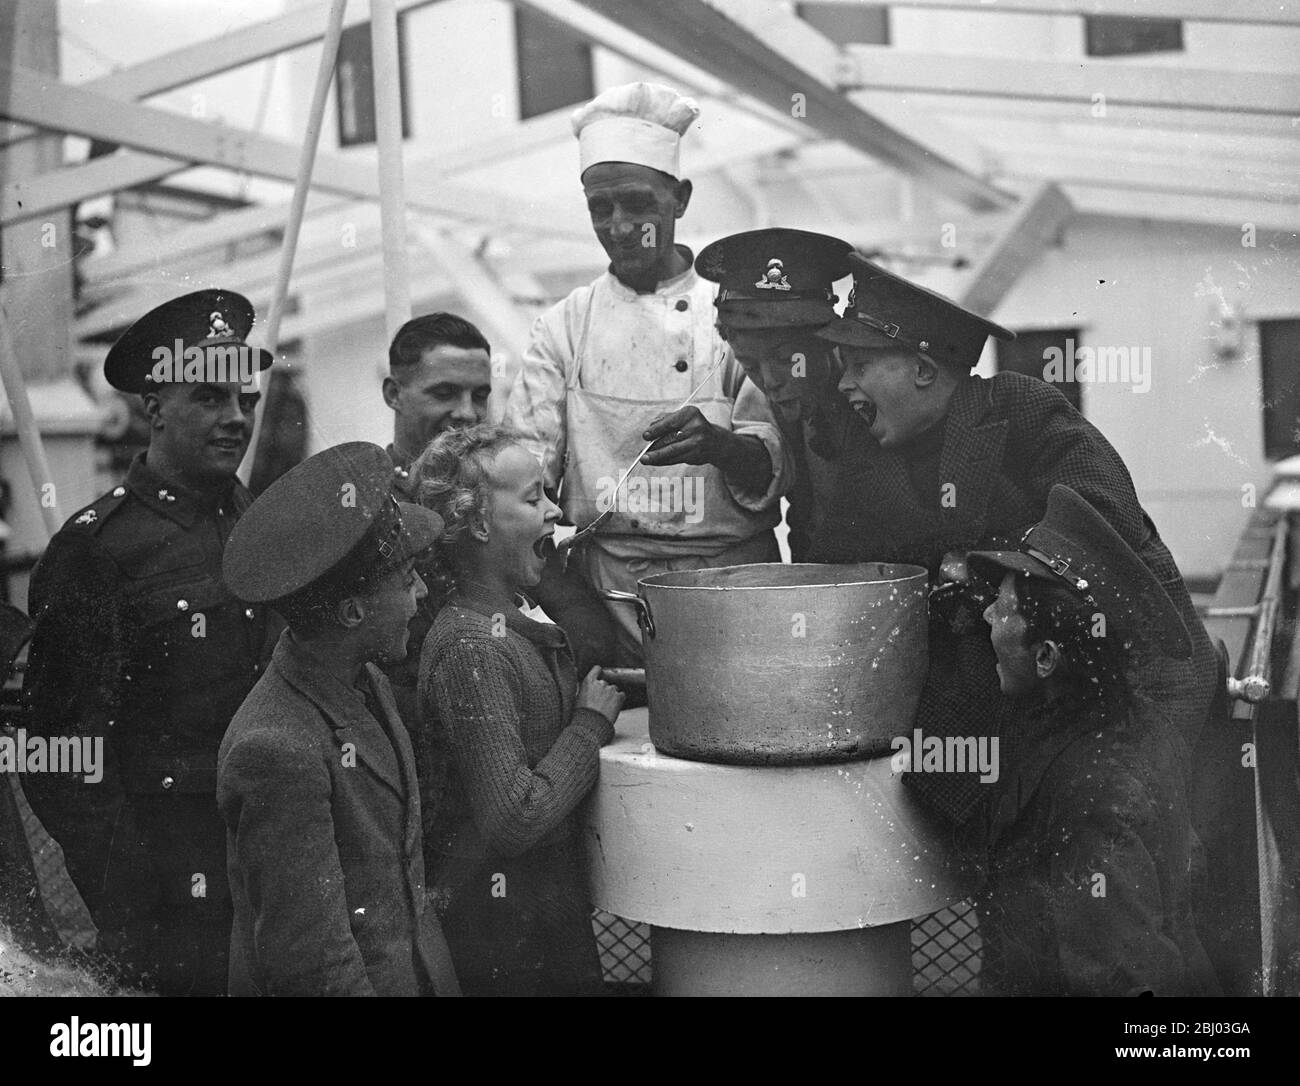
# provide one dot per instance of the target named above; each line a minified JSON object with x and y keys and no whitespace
{"x":643,"y":616}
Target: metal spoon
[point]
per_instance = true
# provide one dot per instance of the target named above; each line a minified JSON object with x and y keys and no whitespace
{"x":590,"y":529}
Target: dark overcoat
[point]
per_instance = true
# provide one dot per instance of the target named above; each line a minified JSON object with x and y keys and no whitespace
{"x":318,"y":790}
{"x":1006,"y":441}
{"x":1092,"y":861}
{"x":139,"y":643}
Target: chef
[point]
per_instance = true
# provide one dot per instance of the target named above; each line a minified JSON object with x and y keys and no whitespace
{"x":608,"y":369}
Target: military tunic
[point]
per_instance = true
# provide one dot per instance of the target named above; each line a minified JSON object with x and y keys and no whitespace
{"x":139,"y":643}
{"x":977,"y":484}
{"x":1092,"y":861}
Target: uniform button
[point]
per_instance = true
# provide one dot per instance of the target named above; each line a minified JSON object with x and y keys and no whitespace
{"x":682,"y":305}
{"x":248,"y":612}
{"x":182,"y":605}
{"x":681,"y":365}
{"x":118,"y":491}
{"x":167,"y":782}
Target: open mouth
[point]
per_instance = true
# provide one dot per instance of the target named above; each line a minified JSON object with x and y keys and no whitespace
{"x":544,"y":546}
{"x":866,"y":410}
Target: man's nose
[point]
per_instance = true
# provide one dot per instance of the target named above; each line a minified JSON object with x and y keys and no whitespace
{"x":621,"y":224}
{"x":232,"y":414}
{"x":847,"y":383}
{"x":464,"y":408}
{"x":552,"y":511}
{"x":988,"y":613}
{"x":421,"y":589}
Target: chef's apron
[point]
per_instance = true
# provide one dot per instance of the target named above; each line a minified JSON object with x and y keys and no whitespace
{"x":651,"y":530}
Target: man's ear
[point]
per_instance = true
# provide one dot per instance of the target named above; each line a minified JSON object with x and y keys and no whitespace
{"x":391,"y":391}
{"x":681,"y":198}
{"x":1047,"y":659}
{"x":926,"y":372}
{"x":350,"y":612}
{"x":152,"y":401}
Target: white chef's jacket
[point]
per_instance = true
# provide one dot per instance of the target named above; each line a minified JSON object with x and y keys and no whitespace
{"x":610,"y":341}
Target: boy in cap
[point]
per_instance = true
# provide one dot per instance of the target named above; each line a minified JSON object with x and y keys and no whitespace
{"x":952,"y":463}
{"x":1090,"y":845}
{"x":139,"y":646}
{"x":316,"y":780}
{"x":775,"y":292}
{"x":607,"y":368}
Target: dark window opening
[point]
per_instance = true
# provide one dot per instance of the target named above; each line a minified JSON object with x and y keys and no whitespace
{"x":1049,"y":355}
{"x":555,"y":68}
{"x":1279,"y":361}
{"x":1123,"y":35}
{"x":848,"y":24}
{"x":354,"y":85}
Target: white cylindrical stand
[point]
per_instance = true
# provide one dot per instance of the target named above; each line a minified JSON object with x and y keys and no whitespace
{"x":765,"y":880}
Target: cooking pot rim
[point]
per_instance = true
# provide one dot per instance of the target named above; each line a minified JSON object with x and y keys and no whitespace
{"x":917,"y":571}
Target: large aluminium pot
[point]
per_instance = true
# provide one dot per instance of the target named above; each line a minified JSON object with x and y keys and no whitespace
{"x":776,"y":664}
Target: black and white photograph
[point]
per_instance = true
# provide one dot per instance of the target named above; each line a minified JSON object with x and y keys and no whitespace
{"x":632,"y":499}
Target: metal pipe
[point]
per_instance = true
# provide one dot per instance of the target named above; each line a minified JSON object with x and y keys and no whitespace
{"x":29,"y":434}
{"x":1255,"y":685}
{"x":386,"y":61}
{"x":302,"y":186}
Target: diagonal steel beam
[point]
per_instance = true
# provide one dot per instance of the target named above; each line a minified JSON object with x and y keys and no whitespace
{"x":697,"y":31}
{"x":37,"y":99}
{"x":213,"y":56}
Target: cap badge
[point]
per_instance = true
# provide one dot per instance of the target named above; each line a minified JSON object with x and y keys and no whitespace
{"x":217,"y":327}
{"x":88,"y":517}
{"x":774,"y":278}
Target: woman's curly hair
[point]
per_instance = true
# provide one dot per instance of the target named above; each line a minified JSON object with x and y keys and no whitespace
{"x":451,"y":477}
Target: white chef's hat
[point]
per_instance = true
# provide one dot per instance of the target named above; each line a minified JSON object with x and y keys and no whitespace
{"x":637,"y":122}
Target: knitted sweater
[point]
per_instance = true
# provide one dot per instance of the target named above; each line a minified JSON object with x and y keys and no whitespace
{"x":497,"y":694}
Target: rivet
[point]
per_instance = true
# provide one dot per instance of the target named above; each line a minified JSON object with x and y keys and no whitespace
{"x":167,"y":782}
{"x":182,"y":605}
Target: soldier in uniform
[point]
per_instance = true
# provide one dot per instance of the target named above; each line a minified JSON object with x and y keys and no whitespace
{"x":1095,"y":796}
{"x":948,"y":463}
{"x":138,"y":643}
{"x":775,"y":292}
{"x":317,"y":781}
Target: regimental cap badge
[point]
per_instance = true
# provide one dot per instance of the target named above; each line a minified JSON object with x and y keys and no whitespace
{"x":218,"y":328}
{"x":774,"y":278}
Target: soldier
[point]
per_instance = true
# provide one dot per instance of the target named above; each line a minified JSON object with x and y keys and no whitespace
{"x":317,"y":780}
{"x":776,"y":291}
{"x":1091,"y":845}
{"x":607,"y":369}
{"x":950,"y":462}
{"x":140,"y":646}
